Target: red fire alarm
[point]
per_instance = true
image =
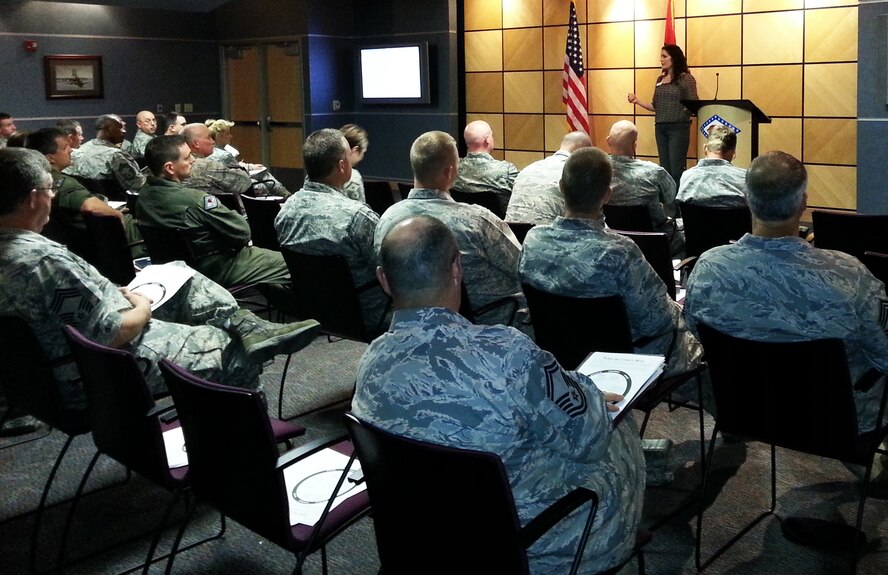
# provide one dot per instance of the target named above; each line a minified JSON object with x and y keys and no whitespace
{"x":30,"y":45}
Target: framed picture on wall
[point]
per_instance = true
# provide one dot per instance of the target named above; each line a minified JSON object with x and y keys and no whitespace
{"x":67,"y":76}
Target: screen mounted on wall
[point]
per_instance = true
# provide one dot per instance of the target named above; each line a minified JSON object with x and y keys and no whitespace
{"x":394,"y":74}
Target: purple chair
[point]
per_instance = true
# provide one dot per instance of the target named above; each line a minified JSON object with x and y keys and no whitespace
{"x":236,"y":467}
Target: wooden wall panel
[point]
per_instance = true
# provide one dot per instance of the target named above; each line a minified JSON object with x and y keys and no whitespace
{"x":647,"y":144}
{"x":523,"y":92}
{"x":759,"y":83}
{"x":831,"y":90}
{"x":554,"y":43}
{"x":522,"y":49}
{"x":521,"y":13}
{"x":556,"y":128}
{"x":556,"y":12}
{"x":496,"y":125}
{"x":608,"y":90}
{"x":828,"y":3}
{"x":610,"y":45}
{"x":600,"y":126}
{"x":729,"y":82}
{"x":611,"y":11}
{"x":830,"y":141}
{"x":645,"y":80}
{"x":773,"y":38}
{"x":714,"y":41}
{"x":522,"y":159}
{"x":831,"y":35}
{"x":523,"y":132}
{"x":710,"y":8}
{"x":484,"y":92}
{"x":772,"y":5}
{"x":484,"y":51}
{"x":552,"y":89}
{"x":832,"y":187}
{"x":781,"y":134}
{"x":483,"y":14}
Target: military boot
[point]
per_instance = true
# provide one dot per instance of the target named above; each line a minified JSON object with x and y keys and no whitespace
{"x":263,"y":340}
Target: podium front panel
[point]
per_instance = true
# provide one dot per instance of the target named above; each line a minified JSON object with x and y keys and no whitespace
{"x":742,"y":119}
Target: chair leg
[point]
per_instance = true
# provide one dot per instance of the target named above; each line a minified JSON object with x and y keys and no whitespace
{"x":702,"y":418}
{"x":773,"y":478}
{"x":706,"y":469}
{"x":63,"y":546}
{"x":283,"y":382}
{"x":644,"y":423}
{"x":42,"y":505}
{"x":859,"y":524}
{"x":171,"y":557}
{"x":156,"y":539}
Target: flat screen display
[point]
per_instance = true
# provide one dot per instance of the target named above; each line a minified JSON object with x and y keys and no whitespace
{"x":394,"y":74}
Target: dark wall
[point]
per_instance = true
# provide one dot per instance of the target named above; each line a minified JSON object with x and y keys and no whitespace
{"x":260,"y":19}
{"x":872,"y":110}
{"x":149,"y":57}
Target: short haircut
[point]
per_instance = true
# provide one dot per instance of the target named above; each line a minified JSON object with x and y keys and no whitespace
{"x":721,"y":139}
{"x":430,"y":154}
{"x":161,"y":150}
{"x":418,"y":264}
{"x":21,"y":170}
{"x":321,"y":153}
{"x":104,"y":121}
{"x":19,"y":139}
{"x":775,"y":186}
{"x":4,"y":116}
{"x":69,"y":127}
{"x":355,"y":136}
{"x":45,"y":141}
{"x":585,"y":179}
{"x":164,"y":121}
{"x":217,"y":126}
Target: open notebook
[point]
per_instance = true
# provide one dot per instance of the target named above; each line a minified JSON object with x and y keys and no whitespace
{"x":628,"y":374}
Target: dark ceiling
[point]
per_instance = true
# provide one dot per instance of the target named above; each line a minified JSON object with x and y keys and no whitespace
{"x":180,"y":5}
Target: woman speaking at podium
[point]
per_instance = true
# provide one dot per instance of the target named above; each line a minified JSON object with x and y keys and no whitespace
{"x":672,"y":120}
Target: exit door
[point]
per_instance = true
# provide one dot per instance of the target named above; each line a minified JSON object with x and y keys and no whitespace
{"x":264,"y":100}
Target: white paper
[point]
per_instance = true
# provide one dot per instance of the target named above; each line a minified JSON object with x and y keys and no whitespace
{"x":159,"y":283}
{"x":174,"y":442}
{"x":116,"y":204}
{"x":628,"y":374}
{"x":310,"y":484}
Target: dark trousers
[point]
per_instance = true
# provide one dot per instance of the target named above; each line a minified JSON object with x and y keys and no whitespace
{"x":672,"y":145}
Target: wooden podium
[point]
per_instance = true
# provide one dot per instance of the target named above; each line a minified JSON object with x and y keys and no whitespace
{"x":742,"y":114}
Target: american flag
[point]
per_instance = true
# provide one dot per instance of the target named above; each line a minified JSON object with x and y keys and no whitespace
{"x":573,"y":92}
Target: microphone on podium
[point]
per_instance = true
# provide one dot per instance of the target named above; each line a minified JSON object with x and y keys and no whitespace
{"x":716,"y":87}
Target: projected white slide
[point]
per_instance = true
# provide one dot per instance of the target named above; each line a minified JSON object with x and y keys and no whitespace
{"x":391,"y":72}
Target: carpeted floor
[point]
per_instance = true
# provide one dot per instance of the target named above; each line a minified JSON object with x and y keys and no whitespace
{"x":324,"y":373}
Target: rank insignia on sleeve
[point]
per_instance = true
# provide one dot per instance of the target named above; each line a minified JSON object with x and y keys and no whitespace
{"x":564,"y":391}
{"x":211,"y":202}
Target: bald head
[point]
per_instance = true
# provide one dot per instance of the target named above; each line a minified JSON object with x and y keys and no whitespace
{"x":198,"y":138}
{"x":420,"y":264}
{"x":146,"y":122}
{"x":575,"y":141}
{"x":478,"y":136}
{"x":110,"y":127}
{"x":622,"y":138}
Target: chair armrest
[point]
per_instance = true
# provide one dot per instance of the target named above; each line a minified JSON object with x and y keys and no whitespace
{"x":502,"y":302}
{"x":685,"y":263}
{"x":309,"y":448}
{"x":554,"y":513}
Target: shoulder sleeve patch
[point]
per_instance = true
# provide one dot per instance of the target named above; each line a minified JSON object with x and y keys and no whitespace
{"x":211,"y":202}
{"x":564,"y":391}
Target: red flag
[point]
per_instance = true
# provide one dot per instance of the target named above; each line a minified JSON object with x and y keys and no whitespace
{"x":669,"y":37}
{"x":573,"y":92}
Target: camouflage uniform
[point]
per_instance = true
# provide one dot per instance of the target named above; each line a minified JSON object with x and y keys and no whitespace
{"x":140,"y":140}
{"x":48,"y":286}
{"x":713,"y":182}
{"x":219,"y":237}
{"x":580,"y":258}
{"x":481,"y":172}
{"x":642,"y":182}
{"x":489,"y":249}
{"x":267,"y":186}
{"x":354,"y":188}
{"x":536,"y":198}
{"x":437,"y":378}
{"x":784,"y":289}
{"x":214,"y":177}
{"x":318,"y":220}
{"x":101,"y":160}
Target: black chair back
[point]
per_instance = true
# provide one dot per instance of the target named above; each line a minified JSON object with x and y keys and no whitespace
{"x":706,"y":227}
{"x":850,"y":233}
{"x":120,"y":408}
{"x":325,"y":290}
{"x":656,"y":249}
{"x":520,"y":229}
{"x":379,"y":195}
{"x":488,"y":200}
{"x":167,"y":244}
{"x":438,"y":509}
{"x":231,"y":201}
{"x":877,"y":264}
{"x":28,"y":381}
{"x":132,"y":200}
{"x":636,"y":218}
{"x":795,"y":395}
{"x":571,"y":328}
{"x":105,"y":187}
{"x":260,"y":215}
{"x":110,"y":251}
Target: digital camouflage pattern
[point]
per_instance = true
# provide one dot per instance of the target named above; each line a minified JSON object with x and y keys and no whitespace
{"x":580,"y":258}
{"x":140,"y":140}
{"x":267,"y":186}
{"x":641,"y":182}
{"x":101,"y":160}
{"x":219,"y":237}
{"x":784,"y":289}
{"x":435,"y":377}
{"x":713,"y":182}
{"x":354,"y":187}
{"x":489,"y":249}
{"x":319,"y":220}
{"x":481,"y":172}
{"x":46,"y":285}
{"x":536,"y":197}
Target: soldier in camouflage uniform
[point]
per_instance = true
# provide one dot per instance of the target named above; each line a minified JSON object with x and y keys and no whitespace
{"x":219,"y":237}
{"x":71,"y":199}
{"x":773,"y":286}
{"x":319,"y":220}
{"x":481,"y":172}
{"x":536,"y":198}
{"x":490,"y":250}
{"x":147,"y":126}
{"x":714,"y":181}
{"x":576,"y":256}
{"x":7,"y":128}
{"x":436,"y":377}
{"x":218,"y":178}
{"x":642,"y":182}
{"x":48,"y":286}
{"x":101,"y":159}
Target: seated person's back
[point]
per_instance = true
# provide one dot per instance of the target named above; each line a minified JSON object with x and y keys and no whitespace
{"x":714,"y":181}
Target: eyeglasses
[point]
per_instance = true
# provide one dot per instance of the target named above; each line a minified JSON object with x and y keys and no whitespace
{"x":54,"y":188}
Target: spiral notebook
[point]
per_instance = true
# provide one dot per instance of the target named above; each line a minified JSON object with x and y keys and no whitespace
{"x":628,"y":374}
